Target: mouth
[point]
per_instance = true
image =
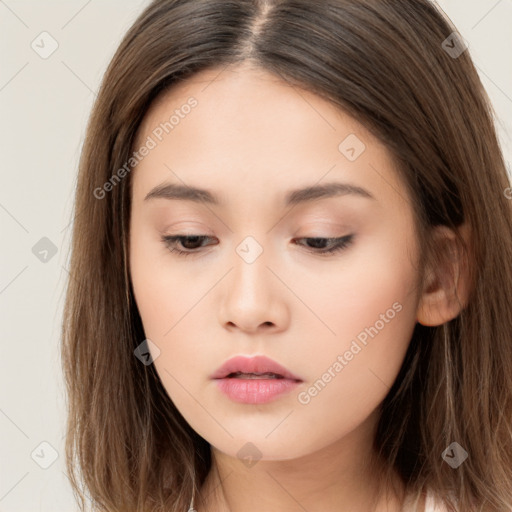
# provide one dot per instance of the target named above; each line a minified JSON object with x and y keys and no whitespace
{"x":255,"y":367}
{"x":254,"y":380}
{"x":243,"y":375}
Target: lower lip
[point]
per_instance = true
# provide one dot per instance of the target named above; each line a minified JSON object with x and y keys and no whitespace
{"x":255,"y":391}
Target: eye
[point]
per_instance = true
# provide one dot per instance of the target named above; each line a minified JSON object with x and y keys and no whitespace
{"x":191,"y":243}
{"x":336,"y":244}
{"x":185,"y":240}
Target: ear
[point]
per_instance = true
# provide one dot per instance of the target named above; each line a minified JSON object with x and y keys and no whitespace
{"x":446,"y":289}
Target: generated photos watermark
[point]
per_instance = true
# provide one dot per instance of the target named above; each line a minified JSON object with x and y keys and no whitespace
{"x":357,"y":345}
{"x":151,"y":142}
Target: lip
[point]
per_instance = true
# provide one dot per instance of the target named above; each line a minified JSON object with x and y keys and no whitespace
{"x":252,"y":364}
{"x":255,"y":390}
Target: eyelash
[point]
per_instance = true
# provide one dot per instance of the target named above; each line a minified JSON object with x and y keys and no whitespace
{"x":340,"y":244}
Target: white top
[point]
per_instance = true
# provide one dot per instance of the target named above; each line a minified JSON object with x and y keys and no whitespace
{"x":433,"y":506}
{"x":430,"y":504}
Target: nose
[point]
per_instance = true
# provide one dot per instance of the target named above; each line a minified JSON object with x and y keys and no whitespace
{"x":253,"y":299}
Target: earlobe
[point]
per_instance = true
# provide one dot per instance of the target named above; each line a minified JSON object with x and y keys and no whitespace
{"x":446,"y":288}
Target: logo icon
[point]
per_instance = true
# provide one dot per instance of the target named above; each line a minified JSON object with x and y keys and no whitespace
{"x":147,"y":352}
{"x":249,"y":249}
{"x":352,"y":147}
{"x":44,"y":455}
{"x":454,"y":45}
{"x":44,"y":250}
{"x":44,"y":45}
{"x":454,"y":455}
{"x":249,"y":454}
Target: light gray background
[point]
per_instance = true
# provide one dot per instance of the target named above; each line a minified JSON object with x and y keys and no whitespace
{"x":44,"y":106}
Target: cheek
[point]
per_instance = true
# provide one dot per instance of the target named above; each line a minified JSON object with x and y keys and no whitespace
{"x":361,"y":285}
{"x":368,"y":308}
{"x":170,"y":308}
{"x":351,"y":372}
{"x":161,"y":291}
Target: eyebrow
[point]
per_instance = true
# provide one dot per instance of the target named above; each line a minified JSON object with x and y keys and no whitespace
{"x":182,"y":192}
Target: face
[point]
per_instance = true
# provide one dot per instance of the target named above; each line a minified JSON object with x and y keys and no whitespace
{"x":255,"y":277}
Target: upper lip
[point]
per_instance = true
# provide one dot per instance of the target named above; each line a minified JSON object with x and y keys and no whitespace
{"x":255,"y":364}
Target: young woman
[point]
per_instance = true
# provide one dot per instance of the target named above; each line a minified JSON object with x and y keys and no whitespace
{"x":291,"y":267}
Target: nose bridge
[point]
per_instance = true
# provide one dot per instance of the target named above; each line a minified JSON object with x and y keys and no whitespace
{"x":251,"y":275}
{"x":249,"y":298}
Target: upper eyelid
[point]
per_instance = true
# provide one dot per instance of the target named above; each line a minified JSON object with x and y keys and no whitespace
{"x":205,"y":236}
{"x":179,"y":237}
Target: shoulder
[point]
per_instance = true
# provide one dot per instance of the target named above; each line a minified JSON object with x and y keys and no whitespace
{"x":433,"y":504}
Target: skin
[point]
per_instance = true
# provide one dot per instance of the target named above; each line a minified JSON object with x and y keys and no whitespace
{"x":251,"y":138}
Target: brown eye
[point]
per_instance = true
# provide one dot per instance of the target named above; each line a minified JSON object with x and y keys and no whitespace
{"x":333,"y":244}
{"x":183,"y":245}
{"x":190,"y":243}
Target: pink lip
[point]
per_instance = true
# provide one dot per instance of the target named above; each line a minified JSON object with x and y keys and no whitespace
{"x":255,"y":364}
{"x":254,"y":391}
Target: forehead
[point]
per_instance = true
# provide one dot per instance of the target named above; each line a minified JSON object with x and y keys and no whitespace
{"x":254,"y":131}
{"x":246,"y":99}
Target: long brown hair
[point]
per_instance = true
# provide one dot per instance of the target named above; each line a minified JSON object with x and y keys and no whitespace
{"x":388,"y":65}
